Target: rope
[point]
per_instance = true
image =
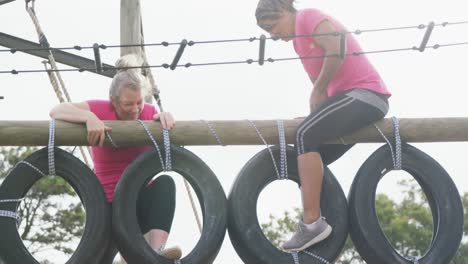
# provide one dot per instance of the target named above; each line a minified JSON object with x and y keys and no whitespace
{"x":111,"y":140}
{"x":192,"y":202}
{"x":14,"y":214}
{"x":11,"y":200}
{"x":59,"y":85}
{"x":213,"y":131}
{"x":415,"y":260}
{"x":9,"y":214}
{"x":167,"y":149}
{"x":295,"y":256}
{"x":283,"y":152}
{"x":58,"y":92}
{"x":32,"y":167}
{"x":268,"y":148}
{"x":396,"y":156}
{"x":317,"y":257}
{"x":147,"y":72}
{"x":282,"y":173}
{"x":50,"y":147}
{"x":154,"y":143}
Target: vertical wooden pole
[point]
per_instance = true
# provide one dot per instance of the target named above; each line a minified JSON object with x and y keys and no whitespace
{"x":131,"y":31}
{"x":130,"y":26}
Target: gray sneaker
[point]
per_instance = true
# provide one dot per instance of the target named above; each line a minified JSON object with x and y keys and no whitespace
{"x":306,"y":237}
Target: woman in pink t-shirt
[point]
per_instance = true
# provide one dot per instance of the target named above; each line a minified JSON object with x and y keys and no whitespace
{"x":156,"y":201}
{"x":348,"y":94}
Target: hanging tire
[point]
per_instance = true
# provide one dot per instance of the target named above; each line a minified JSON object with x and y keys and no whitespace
{"x":97,"y":229}
{"x":210,"y":194}
{"x":244,"y":230}
{"x":441,"y":193}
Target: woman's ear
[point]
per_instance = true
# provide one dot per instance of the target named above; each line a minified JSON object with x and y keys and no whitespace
{"x":113,"y":100}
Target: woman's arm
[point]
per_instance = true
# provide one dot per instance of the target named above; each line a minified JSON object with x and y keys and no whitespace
{"x":81,"y":113}
{"x":331,"y":45}
{"x":72,"y":112}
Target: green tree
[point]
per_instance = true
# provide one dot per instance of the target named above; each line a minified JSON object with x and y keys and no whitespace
{"x":407,"y":225}
{"x":52,"y":216}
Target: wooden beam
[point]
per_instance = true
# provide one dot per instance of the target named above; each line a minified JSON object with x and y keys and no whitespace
{"x":235,"y":132}
{"x":63,"y":57}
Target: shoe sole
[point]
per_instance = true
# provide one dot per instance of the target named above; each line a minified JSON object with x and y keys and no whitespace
{"x":172,"y":254}
{"x":314,"y":241}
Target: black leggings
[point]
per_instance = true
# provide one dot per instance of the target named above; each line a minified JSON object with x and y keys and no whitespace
{"x":156,"y":205}
{"x":337,"y":116}
{"x":155,"y":210}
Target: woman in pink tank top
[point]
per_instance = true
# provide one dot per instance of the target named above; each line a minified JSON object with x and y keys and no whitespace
{"x":347,"y":95}
{"x":156,"y":201}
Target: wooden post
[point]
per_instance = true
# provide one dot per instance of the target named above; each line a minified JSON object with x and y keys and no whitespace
{"x":131,"y":31}
{"x":235,"y":132}
{"x":130,"y":26}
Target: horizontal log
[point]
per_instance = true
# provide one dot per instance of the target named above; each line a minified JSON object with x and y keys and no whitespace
{"x":235,"y":132}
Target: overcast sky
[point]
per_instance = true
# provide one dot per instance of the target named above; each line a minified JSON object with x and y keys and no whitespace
{"x":429,"y":84}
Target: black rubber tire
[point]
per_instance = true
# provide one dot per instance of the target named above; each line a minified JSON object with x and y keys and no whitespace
{"x":442,"y":195}
{"x":210,"y":194}
{"x":244,"y":230}
{"x":85,"y":183}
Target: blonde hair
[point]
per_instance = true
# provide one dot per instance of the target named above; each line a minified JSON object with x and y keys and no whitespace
{"x":128,"y":77}
{"x":271,"y":9}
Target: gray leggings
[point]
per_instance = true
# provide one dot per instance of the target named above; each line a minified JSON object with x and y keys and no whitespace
{"x":337,"y":116}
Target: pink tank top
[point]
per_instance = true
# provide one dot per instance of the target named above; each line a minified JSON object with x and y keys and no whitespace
{"x":355,"y":72}
{"x":110,"y":162}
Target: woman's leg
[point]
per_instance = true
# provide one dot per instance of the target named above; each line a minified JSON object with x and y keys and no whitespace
{"x":156,"y":207}
{"x":336,"y":117}
{"x":311,"y":176}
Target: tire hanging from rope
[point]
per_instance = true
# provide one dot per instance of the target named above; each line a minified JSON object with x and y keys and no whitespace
{"x":68,"y":167}
{"x":246,"y":234}
{"x":54,"y":76}
{"x":439,"y":189}
{"x":210,"y":194}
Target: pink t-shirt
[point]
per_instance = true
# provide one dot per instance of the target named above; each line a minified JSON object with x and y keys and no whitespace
{"x":110,"y":162}
{"x":355,"y":72}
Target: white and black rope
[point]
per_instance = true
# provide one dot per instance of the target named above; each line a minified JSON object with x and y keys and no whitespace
{"x":154,"y":143}
{"x":396,"y":156}
{"x":323,"y":260}
{"x":50,"y":147}
{"x":111,"y":140}
{"x":268,"y":147}
{"x":283,"y":152}
{"x":167,"y":149}
{"x":213,"y":131}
